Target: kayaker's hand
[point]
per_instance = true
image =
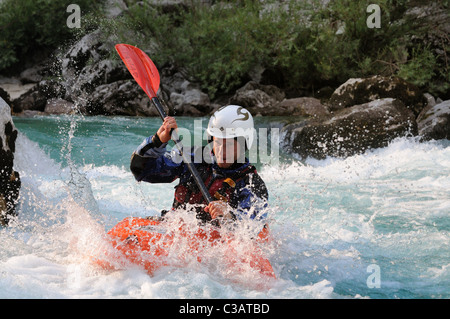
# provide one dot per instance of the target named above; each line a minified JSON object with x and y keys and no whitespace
{"x":166,"y":129}
{"x":218,"y":209}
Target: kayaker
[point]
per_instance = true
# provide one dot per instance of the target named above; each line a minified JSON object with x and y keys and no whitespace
{"x":233,"y":182}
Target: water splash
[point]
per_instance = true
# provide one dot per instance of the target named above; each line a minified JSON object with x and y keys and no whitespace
{"x":330,"y":220}
{"x":79,"y":186}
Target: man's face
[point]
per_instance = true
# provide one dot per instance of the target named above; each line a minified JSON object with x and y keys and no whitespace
{"x":226,"y":150}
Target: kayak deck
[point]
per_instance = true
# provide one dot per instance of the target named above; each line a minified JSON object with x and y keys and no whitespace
{"x":147,"y":242}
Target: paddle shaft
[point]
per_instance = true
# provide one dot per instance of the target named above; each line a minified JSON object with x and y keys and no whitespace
{"x":186,"y":158}
{"x":146,"y":75}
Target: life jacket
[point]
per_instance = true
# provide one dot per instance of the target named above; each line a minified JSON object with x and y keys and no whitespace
{"x":219,"y":186}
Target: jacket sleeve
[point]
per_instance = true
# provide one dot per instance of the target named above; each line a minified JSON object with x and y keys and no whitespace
{"x":252,"y":199}
{"x":150,"y":162}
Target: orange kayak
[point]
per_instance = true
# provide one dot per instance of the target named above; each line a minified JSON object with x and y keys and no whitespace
{"x":146,"y":242}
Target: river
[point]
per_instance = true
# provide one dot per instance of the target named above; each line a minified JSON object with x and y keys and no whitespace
{"x":374,"y":225}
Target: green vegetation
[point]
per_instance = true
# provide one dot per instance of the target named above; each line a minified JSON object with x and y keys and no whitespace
{"x":28,"y":27}
{"x":301,"y":45}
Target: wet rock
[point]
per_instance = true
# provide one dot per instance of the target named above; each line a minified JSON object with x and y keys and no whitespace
{"x":324,"y":93}
{"x":5,"y":96}
{"x":36,"y":98}
{"x":302,"y":106}
{"x":434,"y":121}
{"x":9,"y":179}
{"x":431,"y":101}
{"x":257,"y":98}
{"x":102,"y":72}
{"x":190,"y":102}
{"x":36,"y":73}
{"x":87,"y":65}
{"x":351,"y":130}
{"x":59,"y":106}
{"x":14,"y":88}
{"x":31,"y":100}
{"x":118,"y":98}
{"x":184,"y":97}
{"x":86,"y":50}
{"x":363,"y":90}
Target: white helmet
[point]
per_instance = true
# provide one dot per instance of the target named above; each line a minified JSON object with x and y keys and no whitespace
{"x":231,"y":121}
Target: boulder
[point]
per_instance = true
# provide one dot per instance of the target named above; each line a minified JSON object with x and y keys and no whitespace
{"x":362,"y":90}
{"x":191,"y":101}
{"x":13,"y":88}
{"x":35,"y":99}
{"x":258,"y":99}
{"x":99,"y":85}
{"x":184,"y":97}
{"x":118,"y":98}
{"x":5,"y":96}
{"x":36,"y":73}
{"x":86,"y":51}
{"x":434,"y":121}
{"x":431,"y":101}
{"x":31,"y":100}
{"x":9,"y":179}
{"x":351,"y":130}
{"x":59,"y":106}
{"x":301,"y":106}
{"x":96,"y":74}
{"x":87,"y":65}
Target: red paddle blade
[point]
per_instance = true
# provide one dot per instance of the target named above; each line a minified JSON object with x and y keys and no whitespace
{"x":141,"y":68}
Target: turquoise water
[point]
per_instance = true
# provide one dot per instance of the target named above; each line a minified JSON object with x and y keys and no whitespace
{"x":374,"y":225}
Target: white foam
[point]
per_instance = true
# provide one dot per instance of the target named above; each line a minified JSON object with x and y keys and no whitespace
{"x":31,"y":160}
{"x":329,"y":220}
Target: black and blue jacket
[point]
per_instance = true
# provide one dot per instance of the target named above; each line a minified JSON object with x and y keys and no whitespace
{"x":240,"y":185}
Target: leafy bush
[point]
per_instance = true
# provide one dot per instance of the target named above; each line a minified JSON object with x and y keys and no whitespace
{"x":29,"y":26}
{"x":306,"y":44}
{"x":301,"y":45}
{"x":220,"y":45}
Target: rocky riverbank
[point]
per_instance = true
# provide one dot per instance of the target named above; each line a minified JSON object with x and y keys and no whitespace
{"x":359,"y":115}
{"x":9,"y":179}
{"x":369,"y":113}
{"x":362,"y":113}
